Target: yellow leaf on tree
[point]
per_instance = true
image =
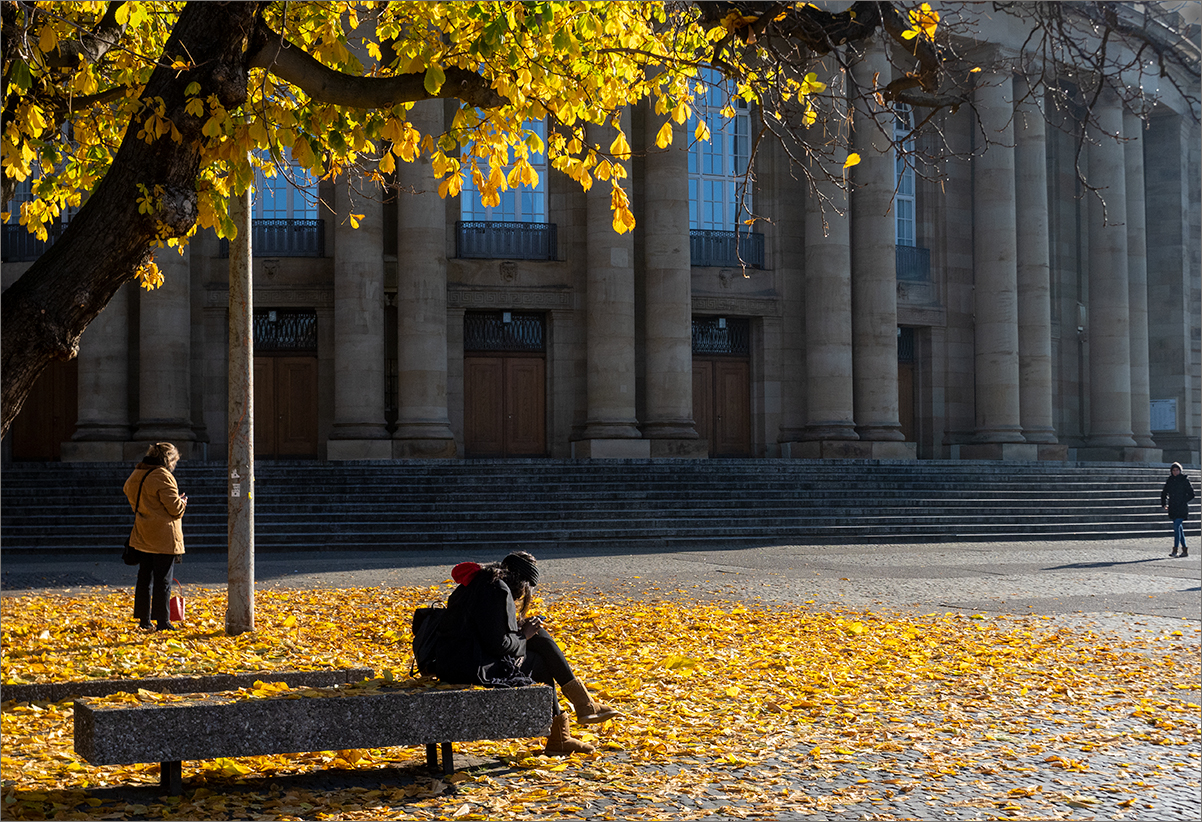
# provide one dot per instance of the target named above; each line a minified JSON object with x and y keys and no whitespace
{"x":664,"y":138}
{"x":619,"y":147}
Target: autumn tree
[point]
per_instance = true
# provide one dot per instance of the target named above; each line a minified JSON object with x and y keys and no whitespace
{"x":148,"y":116}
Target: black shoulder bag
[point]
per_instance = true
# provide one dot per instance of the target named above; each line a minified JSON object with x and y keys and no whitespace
{"x":130,"y":556}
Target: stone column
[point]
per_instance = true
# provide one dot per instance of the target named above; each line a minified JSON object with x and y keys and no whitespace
{"x":165,"y":358}
{"x":874,"y":265}
{"x":1171,"y":148}
{"x":611,"y":427}
{"x":995,"y":293}
{"x":103,"y":426}
{"x":1137,"y":289}
{"x":358,"y":431}
{"x":1109,"y":325}
{"x":830,"y":431}
{"x":668,"y":315}
{"x":1034,"y":275}
{"x":423,"y":427}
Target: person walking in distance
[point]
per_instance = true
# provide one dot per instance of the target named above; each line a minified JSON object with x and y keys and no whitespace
{"x":1174,"y":498}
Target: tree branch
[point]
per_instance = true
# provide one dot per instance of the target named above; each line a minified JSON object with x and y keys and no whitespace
{"x":325,"y":85}
{"x":91,"y":46}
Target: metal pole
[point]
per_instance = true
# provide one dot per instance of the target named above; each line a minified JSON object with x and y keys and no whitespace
{"x":240,"y":611}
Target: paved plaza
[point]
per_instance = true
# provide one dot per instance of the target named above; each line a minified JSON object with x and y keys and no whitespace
{"x":1122,"y":588}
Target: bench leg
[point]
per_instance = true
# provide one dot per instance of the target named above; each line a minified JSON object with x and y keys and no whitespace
{"x":431,"y":755}
{"x":448,"y":758}
{"x":171,"y":777}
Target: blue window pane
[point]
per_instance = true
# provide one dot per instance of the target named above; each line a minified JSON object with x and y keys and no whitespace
{"x":523,"y":204}
{"x":716,"y":166}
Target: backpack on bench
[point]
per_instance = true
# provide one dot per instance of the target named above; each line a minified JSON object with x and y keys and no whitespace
{"x":427,"y":624}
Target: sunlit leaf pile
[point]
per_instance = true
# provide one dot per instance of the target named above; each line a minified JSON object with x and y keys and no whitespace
{"x":721,"y":699}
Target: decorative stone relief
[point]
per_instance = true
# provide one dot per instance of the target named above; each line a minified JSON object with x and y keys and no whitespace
{"x":279,"y":296}
{"x":738,"y":306}
{"x":509,"y":270}
{"x":508,"y":298}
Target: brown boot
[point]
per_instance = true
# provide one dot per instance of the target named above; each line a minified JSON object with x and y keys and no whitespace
{"x":561,"y":743}
{"x":588,"y":710}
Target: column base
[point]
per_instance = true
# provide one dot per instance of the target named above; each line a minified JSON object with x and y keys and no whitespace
{"x":627,"y":449}
{"x":687,"y":449}
{"x":351,"y":449}
{"x":891,"y":450}
{"x":829,"y":449}
{"x":95,"y":451}
{"x":1052,"y":452}
{"x":175,"y":432}
{"x":619,"y":430}
{"x":134,"y":451}
{"x":670,"y":430}
{"x":354,"y":431}
{"x":1010,"y":451}
{"x":1119,"y":453}
{"x":424,"y":449}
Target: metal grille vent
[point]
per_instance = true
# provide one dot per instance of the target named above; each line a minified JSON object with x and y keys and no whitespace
{"x":277,"y":330}
{"x":503,"y":331}
{"x":721,"y":335}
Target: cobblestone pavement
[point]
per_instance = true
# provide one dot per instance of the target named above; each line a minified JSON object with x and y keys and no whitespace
{"x":1127,"y":588}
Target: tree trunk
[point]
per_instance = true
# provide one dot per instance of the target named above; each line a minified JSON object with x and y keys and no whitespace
{"x":47,"y":309}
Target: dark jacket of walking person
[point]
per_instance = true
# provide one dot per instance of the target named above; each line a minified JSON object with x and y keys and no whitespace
{"x":158,"y":534}
{"x":487,"y":639}
{"x":1175,"y":498}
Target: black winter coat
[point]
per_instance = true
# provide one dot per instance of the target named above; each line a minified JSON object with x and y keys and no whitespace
{"x":1176,"y":495}
{"x":480,"y":643}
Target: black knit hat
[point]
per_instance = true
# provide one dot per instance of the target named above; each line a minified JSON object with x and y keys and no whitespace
{"x":522,"y":565}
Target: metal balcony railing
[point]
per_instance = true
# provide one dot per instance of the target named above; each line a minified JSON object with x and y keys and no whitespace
{"x":492,"y":240}
{"x":285,"y":238}
{"x":726,"y":248}
{"x":19,"y":246}
{"x":913,"y":263}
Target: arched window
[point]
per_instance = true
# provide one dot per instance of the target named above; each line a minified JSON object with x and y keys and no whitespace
{"x":717,"y":168}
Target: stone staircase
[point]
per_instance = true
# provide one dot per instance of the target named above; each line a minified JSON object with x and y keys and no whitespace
{"x":303,"y":506}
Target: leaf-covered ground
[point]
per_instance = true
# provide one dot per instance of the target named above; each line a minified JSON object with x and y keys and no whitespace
{"x":731,"y":711}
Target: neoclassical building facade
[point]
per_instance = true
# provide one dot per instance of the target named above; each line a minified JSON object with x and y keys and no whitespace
{"x":992,"y":310}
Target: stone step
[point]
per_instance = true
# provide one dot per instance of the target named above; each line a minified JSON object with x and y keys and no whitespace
{"x":420,"y":504}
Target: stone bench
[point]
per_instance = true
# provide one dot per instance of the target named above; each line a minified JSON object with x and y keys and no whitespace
{"x":218,"y":725}
{"x":58,"y":691}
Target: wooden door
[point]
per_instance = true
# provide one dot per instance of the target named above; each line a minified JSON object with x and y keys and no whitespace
{"x":504,"y":406}
{"x":48,"y":417}
{"x":264,"y":421}
{"x":286,"y":407}
{"x":905,"y":400}
{"x":296,"y":407}
{"x":732,"y":407}
{"x":483,"y":406}
{"x":703,"y":401}
{"x":525,"y":407}
{"x":722,"y":404}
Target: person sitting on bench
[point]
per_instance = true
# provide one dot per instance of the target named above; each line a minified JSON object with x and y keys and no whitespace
{"x":489,"y":640}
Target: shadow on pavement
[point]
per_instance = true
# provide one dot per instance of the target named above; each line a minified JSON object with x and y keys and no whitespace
{"x":1072,"y":566}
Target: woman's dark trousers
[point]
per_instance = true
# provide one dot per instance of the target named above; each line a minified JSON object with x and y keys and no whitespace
{"x":545,"y":662}
{"x":150,"y":592}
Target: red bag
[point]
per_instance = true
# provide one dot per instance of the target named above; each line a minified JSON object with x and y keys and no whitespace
{"x":175,"y":604}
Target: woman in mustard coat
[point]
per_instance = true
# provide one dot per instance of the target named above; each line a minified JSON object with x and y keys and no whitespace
{"x":158,"y":535}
